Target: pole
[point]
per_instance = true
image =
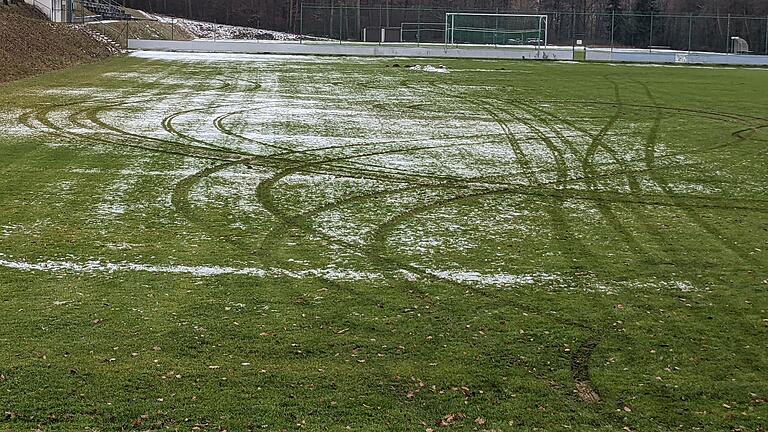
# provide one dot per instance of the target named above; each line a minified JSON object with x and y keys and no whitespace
{"x":172,"y":27}
{"x":650,"y":43}
{"x":573,"y":32}
{"x":728,"y":35}
{"x":766,"y":35}
{"x":387,"y":13}
{"x":341,"y":21}
{"x":613,"y":28}
{"x":690,"y":31}
{"x":446,"y":31}
{"x":418,"y":26}
{"x":453,"y":28}
{"x":359,"y":21}
{"x":301,"y":23}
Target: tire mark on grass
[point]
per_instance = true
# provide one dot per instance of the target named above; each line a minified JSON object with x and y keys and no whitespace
{"x":663,"y":183}
{"x":591,"y":172}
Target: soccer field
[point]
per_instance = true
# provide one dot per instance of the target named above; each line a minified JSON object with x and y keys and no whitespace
{"x":283,"y":243}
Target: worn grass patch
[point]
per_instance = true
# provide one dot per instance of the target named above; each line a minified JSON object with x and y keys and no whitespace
{"x":319,"y":243}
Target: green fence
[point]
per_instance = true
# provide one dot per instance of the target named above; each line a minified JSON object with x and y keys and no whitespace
{"x":620,"y":30}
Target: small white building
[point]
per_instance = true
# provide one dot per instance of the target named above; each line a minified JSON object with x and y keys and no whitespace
{"x":55,"y":10}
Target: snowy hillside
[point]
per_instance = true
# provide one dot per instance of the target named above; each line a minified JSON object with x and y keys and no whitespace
{"x":207,"y":30}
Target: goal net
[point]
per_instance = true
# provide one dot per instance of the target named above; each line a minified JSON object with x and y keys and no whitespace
{"x":495,"y":29}
{"x":422,"y":32}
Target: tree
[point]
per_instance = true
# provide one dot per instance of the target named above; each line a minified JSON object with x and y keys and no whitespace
{"x":641,"y":22}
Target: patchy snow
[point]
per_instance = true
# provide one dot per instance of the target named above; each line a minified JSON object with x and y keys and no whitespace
{"x":97,"y":266}
{"x":208,"y":30}
{"x":224,"y":57}
{"x":498,"y":279}
{"x":430,"y":68}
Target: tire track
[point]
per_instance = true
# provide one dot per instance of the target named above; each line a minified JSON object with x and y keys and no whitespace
{"x":664,"y":185}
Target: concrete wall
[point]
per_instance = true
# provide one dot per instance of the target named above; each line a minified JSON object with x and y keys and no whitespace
{"x":55,"y":10}
{"x":678,"y":57}
{"x":439,"y":51}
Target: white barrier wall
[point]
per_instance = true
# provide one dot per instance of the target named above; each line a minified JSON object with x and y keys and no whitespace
{"x":678,"y":57}
{"x":262,"y":47}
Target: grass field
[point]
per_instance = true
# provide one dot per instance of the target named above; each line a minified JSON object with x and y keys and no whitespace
{"x":285,"y":243}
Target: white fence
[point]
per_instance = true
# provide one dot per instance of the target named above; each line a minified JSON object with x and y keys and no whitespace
{"x":356,"y":49}
{"x":671,"y":56}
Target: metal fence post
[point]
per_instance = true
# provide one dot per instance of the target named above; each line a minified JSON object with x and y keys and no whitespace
{"x":728,"y":35}
{"x":650,"y":42}
{"x":766,"y":35}
{"x":573,"y":33}
{"x":613,"y":27}
{"x":301,"y":23}
{"x":690,"y":31}
{"x":341,"y":21}
{"x":418,"y":26}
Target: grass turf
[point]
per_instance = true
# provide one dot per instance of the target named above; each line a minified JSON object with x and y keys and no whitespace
{"x":305,"y":243}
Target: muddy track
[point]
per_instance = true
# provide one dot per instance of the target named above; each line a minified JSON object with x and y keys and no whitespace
{"x":167,"y":145}
{"x":580,"y":371}
{"x":365,"y":169}
{"x":42,"y":114}
{"x":561,"y":167}
{"x":591,"y":173}
{"x":167,"y":124}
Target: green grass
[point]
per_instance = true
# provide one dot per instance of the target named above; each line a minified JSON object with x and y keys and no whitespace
{"x":501,"y":243}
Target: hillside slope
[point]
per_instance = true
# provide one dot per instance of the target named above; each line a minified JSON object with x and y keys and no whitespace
{"x":31,"y":46}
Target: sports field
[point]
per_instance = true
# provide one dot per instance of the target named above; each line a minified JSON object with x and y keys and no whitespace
{"x":283,"y":243}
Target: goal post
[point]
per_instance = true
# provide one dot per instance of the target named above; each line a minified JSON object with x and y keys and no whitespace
{"x":495,"y":29}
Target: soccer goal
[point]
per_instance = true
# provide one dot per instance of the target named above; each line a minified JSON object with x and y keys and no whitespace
{"x":495,"y":29}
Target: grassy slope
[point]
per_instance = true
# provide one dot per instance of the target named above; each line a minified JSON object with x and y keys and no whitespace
{"x":31,"y":45}
{"x":621,"y":223}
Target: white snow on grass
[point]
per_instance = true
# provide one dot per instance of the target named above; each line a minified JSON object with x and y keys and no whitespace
{"x":225,"y":57}
{"x":208,"y":30}
{"x":431,"y":69}
{"x":498,"y":279}
{"x":97,"y":266}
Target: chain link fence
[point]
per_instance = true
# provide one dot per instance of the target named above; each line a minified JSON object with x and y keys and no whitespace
{"x":722,"y":34}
